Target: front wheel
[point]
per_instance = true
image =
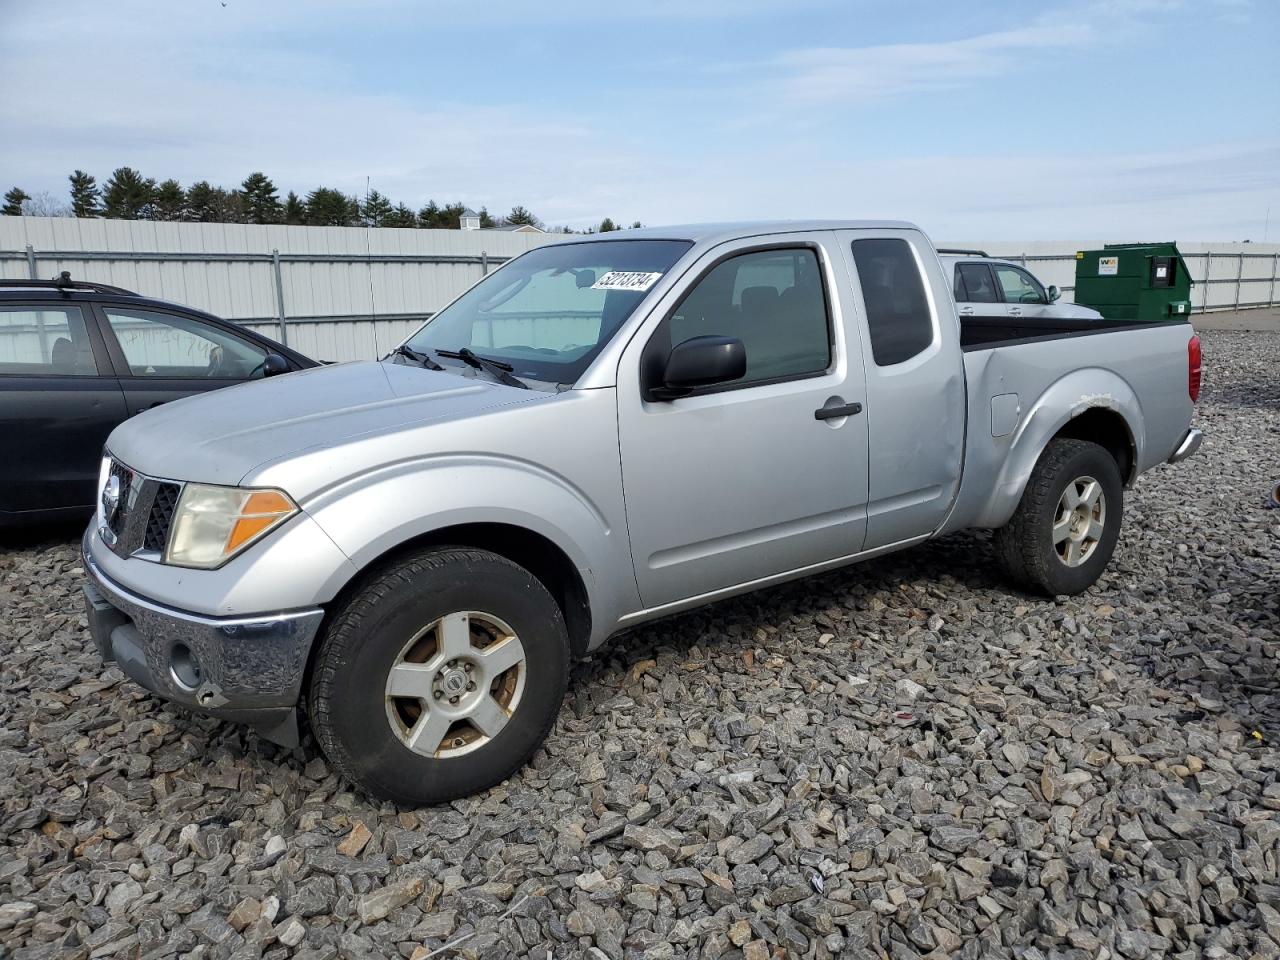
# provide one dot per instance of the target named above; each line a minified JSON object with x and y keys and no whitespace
{"x":1065,"y":529}
{"x":440,"y":676}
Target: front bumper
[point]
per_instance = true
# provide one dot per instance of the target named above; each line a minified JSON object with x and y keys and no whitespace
{"x":244,"y":669}
{"x":1189,"y":445}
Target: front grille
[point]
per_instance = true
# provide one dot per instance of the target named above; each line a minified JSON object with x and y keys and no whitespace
{"x":161,"y":516}
{"x":117,"y":519}
{"x":139,"y":524}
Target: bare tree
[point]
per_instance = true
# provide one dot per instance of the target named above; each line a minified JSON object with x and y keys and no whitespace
{"x":45,"y":204}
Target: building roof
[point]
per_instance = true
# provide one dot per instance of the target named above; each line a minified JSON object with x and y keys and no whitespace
{"x":468,"y":212}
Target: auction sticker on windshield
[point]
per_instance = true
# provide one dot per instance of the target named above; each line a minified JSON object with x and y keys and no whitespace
{"x":624,"y":280}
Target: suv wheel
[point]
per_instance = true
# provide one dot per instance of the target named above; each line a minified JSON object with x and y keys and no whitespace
{"x":440,"y":676}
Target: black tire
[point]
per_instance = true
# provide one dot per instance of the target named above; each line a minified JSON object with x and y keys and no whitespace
{"x":1025,"y":545}
{"x":347,"y":698}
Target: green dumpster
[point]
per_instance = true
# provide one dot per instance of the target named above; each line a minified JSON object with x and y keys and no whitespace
{"x":1134,"y":281}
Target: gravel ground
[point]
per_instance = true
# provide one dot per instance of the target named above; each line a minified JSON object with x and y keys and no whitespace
{"x":901,"y":760}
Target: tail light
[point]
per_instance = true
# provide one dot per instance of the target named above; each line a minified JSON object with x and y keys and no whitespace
{"x":1193,"y":368}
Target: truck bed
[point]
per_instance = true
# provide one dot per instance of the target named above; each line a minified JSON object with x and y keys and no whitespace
{"x":983,"y":333}
{"x":1022,"y":376}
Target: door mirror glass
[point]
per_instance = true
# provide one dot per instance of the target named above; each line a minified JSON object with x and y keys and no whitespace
{"x":274,"y":364}
{"x":701,"y":362}
{"x":1054,"y":293}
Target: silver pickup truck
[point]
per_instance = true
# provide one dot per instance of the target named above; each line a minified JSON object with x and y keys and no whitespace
{"x":604,"y":431}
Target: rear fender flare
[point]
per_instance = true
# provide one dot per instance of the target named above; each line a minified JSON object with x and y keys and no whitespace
{"x":1075,"y":394}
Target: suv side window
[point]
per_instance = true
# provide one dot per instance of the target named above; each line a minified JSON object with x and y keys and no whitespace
{"x":898,"y":314}
{"x":41,"y":341}
{"x":167,"y":345}
{"x":773,"y":301}
{"x":1019,"y":286}
{"x":974,"y":283}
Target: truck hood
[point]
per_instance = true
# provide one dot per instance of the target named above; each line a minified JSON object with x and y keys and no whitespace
{"x":220,"y":436}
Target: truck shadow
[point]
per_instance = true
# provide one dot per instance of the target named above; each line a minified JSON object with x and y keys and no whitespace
{"x":959,"y":563}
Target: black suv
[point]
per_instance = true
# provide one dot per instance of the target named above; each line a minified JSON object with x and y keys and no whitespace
{"x":78,"y":358}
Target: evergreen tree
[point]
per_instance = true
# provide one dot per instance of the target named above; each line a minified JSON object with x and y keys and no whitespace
{"x":452,"y":216}
{"x":636,"y":225}
{"x":201,"y":204}
{"x":230,"y":206}
{"x":170,"y":201}
{"x":261,"y":202}
{"x":210,"y":204}
{"x":294,"y":211}
{"x":607,"y":226}
{"x":486,"y":220}
{"x":375,"y":210}
{"x":429,"y":216}
{"x":84,"y":195}
{"x":13,"y":202}
{"x":519,"y":216}
{"x":330,"y":208}
{"x":401,"y":216}
{"x":127,"y":195}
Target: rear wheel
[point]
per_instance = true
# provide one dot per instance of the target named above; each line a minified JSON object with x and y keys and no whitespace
{"x":1065,"y":529}
{"x":440,"y":676}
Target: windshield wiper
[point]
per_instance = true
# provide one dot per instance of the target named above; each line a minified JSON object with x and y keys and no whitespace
{"x":404,"y":350}
{"x":501,"y":370}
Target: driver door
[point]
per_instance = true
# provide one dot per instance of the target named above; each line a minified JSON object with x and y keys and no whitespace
{"x":1024,"y":297}
{"x":165,"y":356}
{"x":750,"y":479}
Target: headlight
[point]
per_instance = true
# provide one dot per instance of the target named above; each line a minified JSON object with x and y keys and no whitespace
{"x":212,"y":524}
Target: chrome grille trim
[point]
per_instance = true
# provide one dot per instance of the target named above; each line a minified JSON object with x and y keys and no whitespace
{"x":139,"y":526}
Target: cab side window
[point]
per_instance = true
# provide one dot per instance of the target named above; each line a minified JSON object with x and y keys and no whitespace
{"x":41,"y":341}
{"x":771,"y":300}
{"x":1019,"y":286}
{"x":898,"y":314}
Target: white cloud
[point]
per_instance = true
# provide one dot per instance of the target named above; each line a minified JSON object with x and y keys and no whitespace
{"x":859,"y":74}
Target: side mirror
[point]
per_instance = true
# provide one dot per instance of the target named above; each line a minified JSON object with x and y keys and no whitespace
{"x":1054,"y":293}
{"x":700,"y":362}
{"x":273,"y":364}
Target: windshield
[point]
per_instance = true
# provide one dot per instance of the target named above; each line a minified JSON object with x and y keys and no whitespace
{"x":551,"y":311}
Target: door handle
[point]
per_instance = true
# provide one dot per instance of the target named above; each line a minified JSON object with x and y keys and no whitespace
{"x":966,"y":311}
{"x":831,"y":413}
{"x":1015,"y":311}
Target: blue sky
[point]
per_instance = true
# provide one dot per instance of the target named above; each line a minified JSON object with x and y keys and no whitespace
{"x":1119,"y":120}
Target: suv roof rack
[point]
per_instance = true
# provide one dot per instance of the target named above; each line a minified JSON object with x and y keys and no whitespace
{"x":960,"y":252}
{"x":64,"y":282}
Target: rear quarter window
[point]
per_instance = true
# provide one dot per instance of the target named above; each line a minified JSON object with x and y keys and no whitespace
{"x":898,"y":317}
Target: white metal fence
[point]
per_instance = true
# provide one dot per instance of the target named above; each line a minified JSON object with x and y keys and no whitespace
{"x":334,"y":293}
{"x":341,"y":293}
